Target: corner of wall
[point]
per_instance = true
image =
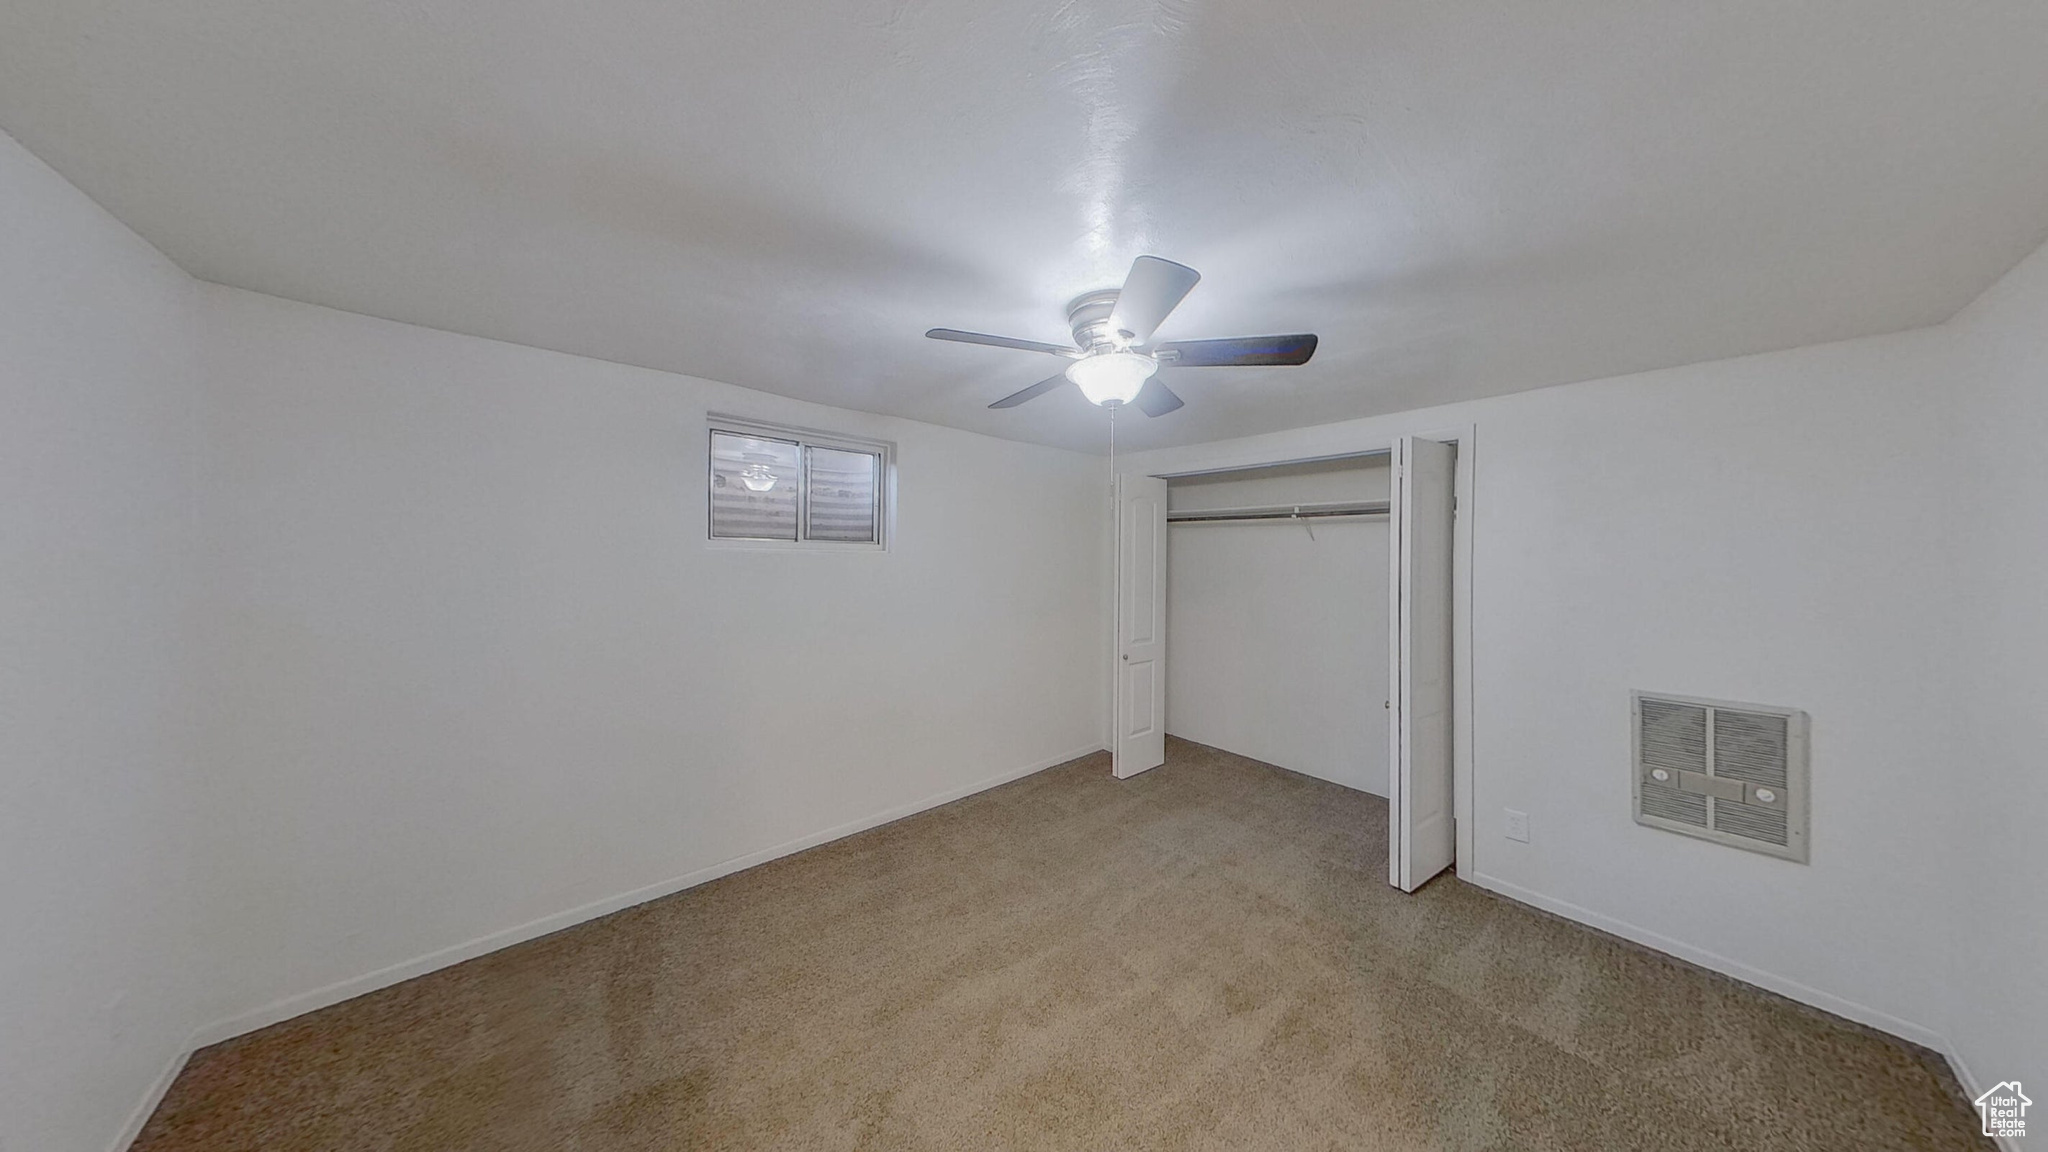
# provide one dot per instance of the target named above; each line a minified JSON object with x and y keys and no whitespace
{"x":102,"y":454}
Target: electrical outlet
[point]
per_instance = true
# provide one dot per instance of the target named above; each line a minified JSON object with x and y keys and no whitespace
{"x":1517,"y":825}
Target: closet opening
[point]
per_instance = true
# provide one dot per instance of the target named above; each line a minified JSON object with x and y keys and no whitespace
{"x":1277,"y":618}
{"x":1300,"y":614}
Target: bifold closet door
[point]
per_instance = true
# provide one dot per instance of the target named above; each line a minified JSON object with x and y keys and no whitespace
{"x":1422,"y":837}
{"x":1140,"y":625}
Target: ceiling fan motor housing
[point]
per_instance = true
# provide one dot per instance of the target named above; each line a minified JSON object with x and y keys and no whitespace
{"x":1088,"y":315}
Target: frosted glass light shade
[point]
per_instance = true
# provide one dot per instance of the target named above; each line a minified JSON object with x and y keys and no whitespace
{"x":1112,"y":377}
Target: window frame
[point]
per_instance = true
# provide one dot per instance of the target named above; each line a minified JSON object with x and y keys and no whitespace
{"x":805,"y":439}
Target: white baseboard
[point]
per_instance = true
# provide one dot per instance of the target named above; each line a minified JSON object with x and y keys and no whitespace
{"x":1770,"y":981}
{"x":1790,"y":989}
{"x":146,"y":1107}
{"x":1973,"y":1088}
{"x":285,"y":1009}
{"x":281,"y":1010}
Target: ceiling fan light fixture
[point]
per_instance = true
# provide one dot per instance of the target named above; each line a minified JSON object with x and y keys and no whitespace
{"x":1108,"y":378}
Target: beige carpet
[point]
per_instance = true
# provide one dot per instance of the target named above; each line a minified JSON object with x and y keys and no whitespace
{"x":1205,"y":957}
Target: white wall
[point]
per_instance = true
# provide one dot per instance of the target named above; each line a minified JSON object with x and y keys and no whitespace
{"x":488,"y":671}
{"x":100,"y":449}
{"x":1276,"y":640}
{"x":445,"y":659}
{"x":1775,"y":529}
{"x":1999,"y":875}
{"x":340,"y":649}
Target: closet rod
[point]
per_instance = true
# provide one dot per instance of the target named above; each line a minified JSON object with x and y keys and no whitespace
{"x":1280,"y":512}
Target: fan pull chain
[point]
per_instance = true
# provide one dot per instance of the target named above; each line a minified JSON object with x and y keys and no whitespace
{"x":1112,"y":452}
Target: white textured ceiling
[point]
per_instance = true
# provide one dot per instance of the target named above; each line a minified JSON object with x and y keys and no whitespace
{"x":1463,"y":199}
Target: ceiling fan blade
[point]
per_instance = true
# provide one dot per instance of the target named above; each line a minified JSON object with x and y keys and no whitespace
{"x":1238,"y":351}
{"x":1031,"y":393}
{"x":1156,"y":399}
{"x":1150,"y":293}
{"x":960,"y":337}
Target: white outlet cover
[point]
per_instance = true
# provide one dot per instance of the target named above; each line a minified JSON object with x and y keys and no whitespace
{"x":1517,"y":825}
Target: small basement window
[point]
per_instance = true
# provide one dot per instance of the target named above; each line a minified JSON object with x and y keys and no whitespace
{"x":791,"y":486}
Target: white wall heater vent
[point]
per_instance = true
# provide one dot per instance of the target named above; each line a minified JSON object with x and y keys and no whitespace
{"x":1735,"y":774}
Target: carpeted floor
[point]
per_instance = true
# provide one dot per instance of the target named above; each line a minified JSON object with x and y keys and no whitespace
{"x":1205,"y":957}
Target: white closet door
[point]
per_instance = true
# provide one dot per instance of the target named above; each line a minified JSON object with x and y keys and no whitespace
{"x":1140,"y":625}
{"x":1423,"y":835}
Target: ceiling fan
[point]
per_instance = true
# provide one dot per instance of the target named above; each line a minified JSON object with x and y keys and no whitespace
{"x":1114,"y":360}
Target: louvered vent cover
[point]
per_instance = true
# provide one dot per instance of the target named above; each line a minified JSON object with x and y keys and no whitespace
{"x":1731,"y":773}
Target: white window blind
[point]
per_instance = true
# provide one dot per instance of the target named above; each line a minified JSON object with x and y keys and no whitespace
{"x":754,"y":484}
{"x":841,"y":491}
{"x":795,"y":487}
